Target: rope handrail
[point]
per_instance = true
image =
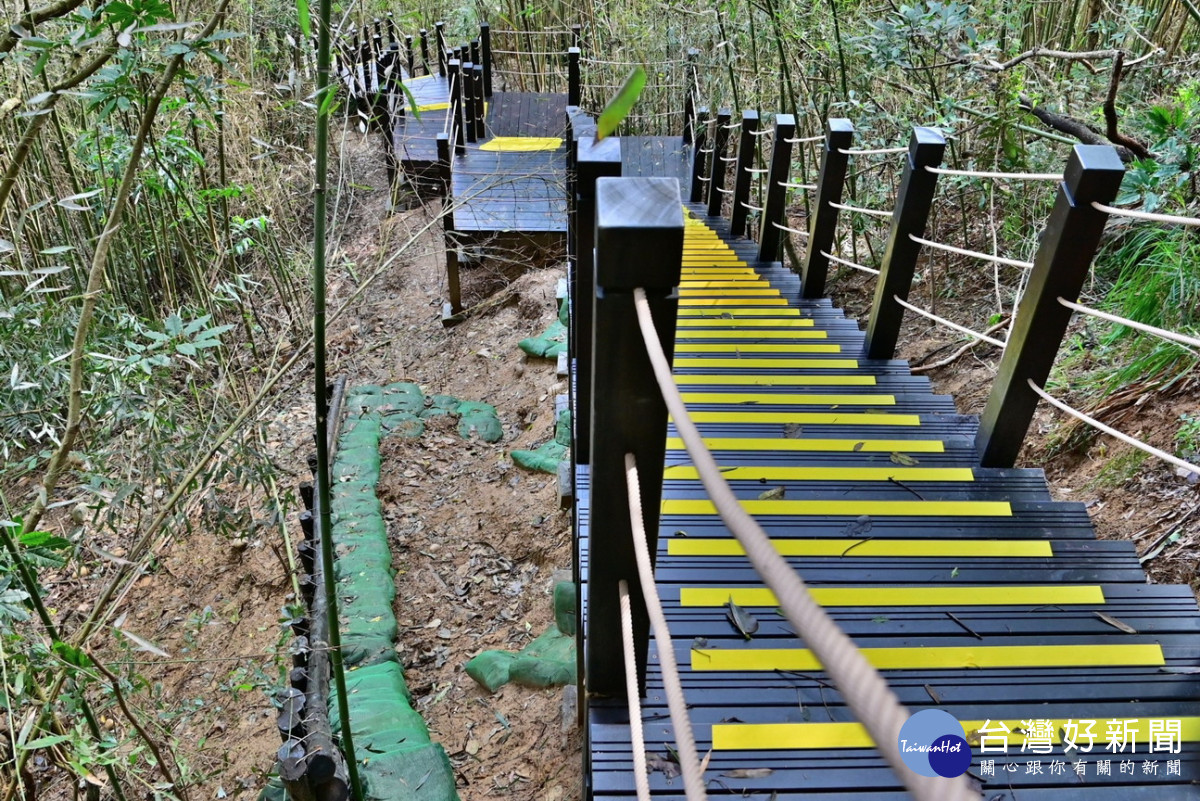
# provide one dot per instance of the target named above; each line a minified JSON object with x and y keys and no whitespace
{"x":860,"y":210}
{"x":1182,"y":339}
{"x":866,"y":693}
{"x":763,"y":132}
{"x":1024,"y":265}
{"x":756,"y":171}
{"x":862,"y":267}
{"x":795,"y":231}
{"x":729,"y":159}
{"x":797,"y":140}
{"x":1112,"y":432}
{"x":498,"y":52}
{"x":530,"y":33}
{"x":637,"y":739}
{"x":750,"y":207}
{"x":723,"y":190}
{"x":689,"y":761}
{"x":1145,"y":215}
{"x":943,"y":321}
{"x":1015,"y":176}
{"x":871,"y":152}
{"x":664,"y":62}
{"x":806,"y":187}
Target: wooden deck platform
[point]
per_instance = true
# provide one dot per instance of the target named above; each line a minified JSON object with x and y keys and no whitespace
{"x":973,"y":591}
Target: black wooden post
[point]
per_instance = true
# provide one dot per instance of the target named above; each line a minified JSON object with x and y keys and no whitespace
{"x":378,"y":28}
{"x":913,"y":199}
{"x":485,"y":47}
{"x":577,"y":35}
{"x":456,"y":106}
{"x":424,"y":34}
{"x":454,"y":304}
{"x":743,"y":174}
{"x":410,"y":56}
{"x":698,"y":161}
{"x":440,"y":34}
{"x":468,"y":82}
{"x":716,"y":169}
{"x":1065,"y":253}
{"x":689,"y":96}
{"x":639,"y":243}
{"x":573,"y":87}
{"x":593,"y":162}
{"x":775,"y":199}
{"x":391,"y":28}
{"x":480,"y":103}
{"x":475,"y":51}
{"x":839,"y":135}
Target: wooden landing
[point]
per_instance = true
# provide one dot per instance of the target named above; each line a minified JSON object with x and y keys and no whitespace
{"x":975,"y":591}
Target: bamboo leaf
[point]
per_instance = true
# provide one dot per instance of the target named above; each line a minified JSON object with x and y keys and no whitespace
{"x":143,"y":644}
{"x":619,"y":107}
{"x":305,"y":18}
{"x":742,"y":620}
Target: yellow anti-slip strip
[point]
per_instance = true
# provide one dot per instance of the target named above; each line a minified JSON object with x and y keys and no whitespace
{"x":687,"y":472}
{"x":807,"y":364}
{"x":789,"y":399}
{"x":765,"y":311}
{"x":782,"y":380}
{"x":980,"y":549}
{"x":938,"y":658}
{"x":707,"y":284}
{"x":1064,"y":594}
{"x":740,"y":334}
{"x":780,"y":301}
{"x":731,"y":292}
{"x":848,"y":508}
{"x":808,"y":418}
{"x":753,"y":322}
{"x":827,"y":445}
{"x":718,"y":272}
{"x":834,"y":736}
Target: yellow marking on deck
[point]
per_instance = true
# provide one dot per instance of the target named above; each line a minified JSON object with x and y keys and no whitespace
{"x":763,"y":347}
{"x":521,"y":144}
{"x":733,"y":473}
{"x":722,"y":274}
{"x":757,"y":322}
{"x":819,"y":445}
{"x":733,"y":301}
{"x":718,"y":284}
{"x":781,"y":380}
{"x":980,"y":549}
{"x":788,"y":399}
{"x":765,"y":311}
{"x":1011,"y":595}
{"x":806,"y":364}
{"x":856,"y":508}
{"x":938,"y":657}
{"x":808,"y":418}
{"x":836,"y":736}
{"x":433,"y":107}
{"x":731,"y":292}
{"x":739,"y":334}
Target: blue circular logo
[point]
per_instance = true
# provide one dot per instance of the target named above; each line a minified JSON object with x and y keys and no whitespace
{"x":933,"y":743}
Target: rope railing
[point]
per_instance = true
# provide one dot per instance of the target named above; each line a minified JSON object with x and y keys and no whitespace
{"x":757,"y":170}
{"x":871,"y":151}
{"x":798,"y":140}
{"x":805,"y":187}
{"x":1024,"y":265}
{"x":729,"y":159}
{"x":750,"y":207}
{"x":1182,"y":339}
{"x":1146,"y":215}
{"x":860,"y":210}
{"x":724,"y":191}
{"x":499,"y":52}
{"x":762,"y":132}
{"x":1012,"y":176}
{"x":689,"y":761}
{"x":866,"y":693}
{"x":851,"y":264}
{"x":531,"y":33}
{"x":637,"y":737}
{"x":664,"y":63}
{"x":1112,"y":432}
{"x":943,"y":321}
{"x":795,"y":231}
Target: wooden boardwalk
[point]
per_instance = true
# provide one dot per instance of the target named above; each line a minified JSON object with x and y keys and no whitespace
{"x":971,"y":589}
{"x":496,"y":188}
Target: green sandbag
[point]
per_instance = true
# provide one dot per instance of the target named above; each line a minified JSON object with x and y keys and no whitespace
{"x":548,"y":344}
{"x":403,"y":424}
{"x":564,"y":607}
{"x":562,"y":428}
{"x":441,"y":405}
{"x":479,"y":419}
{"x":548,"y":661}
{"x":402,"y":397}
{"x":545,"y":459}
